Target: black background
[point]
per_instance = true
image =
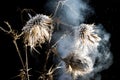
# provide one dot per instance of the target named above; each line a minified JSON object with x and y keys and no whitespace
{"x":107,"y":12}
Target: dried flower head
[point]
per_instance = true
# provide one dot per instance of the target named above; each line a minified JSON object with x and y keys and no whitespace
{"x":87,"y":34}
{"x":77,"y":65}
{"x":38,"y":30}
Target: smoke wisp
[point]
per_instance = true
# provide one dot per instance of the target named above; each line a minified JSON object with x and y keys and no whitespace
{"x":85,"y":50}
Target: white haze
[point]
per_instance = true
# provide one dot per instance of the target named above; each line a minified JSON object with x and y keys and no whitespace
{"x":93,"y":51}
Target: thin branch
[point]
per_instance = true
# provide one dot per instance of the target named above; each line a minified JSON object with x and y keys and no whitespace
{"x":19,"y":54}
{"x":57,"y":7}
{"x":15,"y":37}
{"x":47,"y":56}
{"x":58,"y":40}
{"x":27,"y":70}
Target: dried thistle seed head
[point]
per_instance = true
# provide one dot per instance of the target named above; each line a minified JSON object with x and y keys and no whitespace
{"x":87,"y":34}
{"x":77,"y":65}
{"x":37,"y":30}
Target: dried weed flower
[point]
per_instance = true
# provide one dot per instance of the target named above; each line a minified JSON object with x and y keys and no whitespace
{"x":38,"y":30}
{"x":77,"y":65}
{"x":88,"y":35}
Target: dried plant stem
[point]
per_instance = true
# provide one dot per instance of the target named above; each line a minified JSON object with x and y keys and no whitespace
{"x":15,"y":37}
{"x":24,"y":71}
{"x":56,"y":9}
{"x":27,"y":70}
{"x":58,"y":5}
{"x":62,"y":3}
{"x":27,"y":11}
{"x":19,"y":54}
{"x":47,"y":56}
{"x":63,"y":36}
